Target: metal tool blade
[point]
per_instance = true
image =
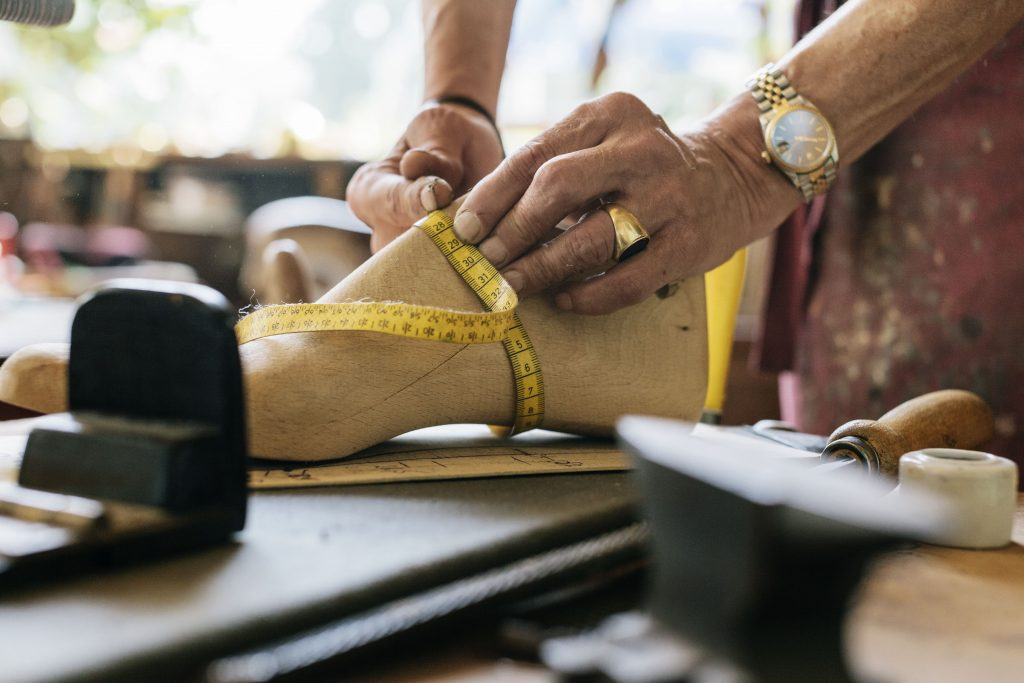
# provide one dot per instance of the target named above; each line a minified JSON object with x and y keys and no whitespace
{"x":787,"y":435}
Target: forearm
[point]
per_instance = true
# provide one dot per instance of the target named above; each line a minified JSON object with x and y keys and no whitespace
{"x":465,"y":43}
{"x":874,"y":62}
{"x":868,"y":67}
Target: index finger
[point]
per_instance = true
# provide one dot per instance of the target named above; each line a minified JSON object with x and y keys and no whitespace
{"x":493,"y":197}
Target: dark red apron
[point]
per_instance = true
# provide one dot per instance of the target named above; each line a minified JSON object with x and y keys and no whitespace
{"x":910,"y":276}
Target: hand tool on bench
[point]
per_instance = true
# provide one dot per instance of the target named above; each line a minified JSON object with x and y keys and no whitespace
{"x":947,"y":419}
{"x":150,"y":460}
{"x":950,"y":418}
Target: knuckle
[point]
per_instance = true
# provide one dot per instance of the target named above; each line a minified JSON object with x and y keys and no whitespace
{"x":624,"y":101}
{"x":524,"y":163}
{"x":665,"y":145}
{"x":581,"y":122}
{"x":532,"y":216}
{"x":586,"y":110}
{"x":618,"y":98}
{"x":516,"y":231}
{"x":358,"y":191}
{"x":360,"y":178}
{"x":552,"y":178}
{"x":587,"y":249}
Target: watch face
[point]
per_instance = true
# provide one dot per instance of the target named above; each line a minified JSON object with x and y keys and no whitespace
{"x":799,"y":139}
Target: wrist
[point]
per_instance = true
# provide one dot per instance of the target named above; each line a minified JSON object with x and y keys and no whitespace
{"x":463,"y":102}
{"x":766,"y":196}
{"x":470,"y":107}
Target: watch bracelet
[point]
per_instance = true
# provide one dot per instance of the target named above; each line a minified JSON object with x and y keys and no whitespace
{"x":771,"y":88}
{"x":814,"y":183}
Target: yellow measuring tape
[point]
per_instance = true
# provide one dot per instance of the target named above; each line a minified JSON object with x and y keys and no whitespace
{"x":499,"y":323}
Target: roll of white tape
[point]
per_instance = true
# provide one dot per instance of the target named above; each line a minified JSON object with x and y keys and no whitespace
{"x":981,"y":489}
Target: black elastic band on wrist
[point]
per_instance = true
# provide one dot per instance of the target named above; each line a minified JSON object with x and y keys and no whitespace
{"x":470,"y":103}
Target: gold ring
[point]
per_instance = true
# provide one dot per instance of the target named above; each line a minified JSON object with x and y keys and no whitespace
{"x":630,"y":236}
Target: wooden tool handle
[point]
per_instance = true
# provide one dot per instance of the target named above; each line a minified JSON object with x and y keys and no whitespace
{"x":951,"y":418}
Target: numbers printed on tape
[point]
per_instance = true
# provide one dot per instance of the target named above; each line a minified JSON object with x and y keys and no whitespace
{"x":497,"y":295}
{"x":499,"y":323}
{"x":403,"y":320}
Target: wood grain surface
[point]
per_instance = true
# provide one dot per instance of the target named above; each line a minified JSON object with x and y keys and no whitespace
{"x":943,"y":614}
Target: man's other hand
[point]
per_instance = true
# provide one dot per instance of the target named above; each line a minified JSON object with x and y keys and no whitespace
{"x":445,"y":150}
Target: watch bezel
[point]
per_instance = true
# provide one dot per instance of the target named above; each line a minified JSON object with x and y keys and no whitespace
{"x":817,"y":163}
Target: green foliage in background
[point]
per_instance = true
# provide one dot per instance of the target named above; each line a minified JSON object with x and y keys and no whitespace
{"x":81,"y":45}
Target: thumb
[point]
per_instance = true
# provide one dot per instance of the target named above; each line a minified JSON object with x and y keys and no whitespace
{"x":424,"y":194}
{"x":434,"y":174}
{"x":433,"y":159}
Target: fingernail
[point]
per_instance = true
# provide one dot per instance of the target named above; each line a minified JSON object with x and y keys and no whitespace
{"x":515,"y":279}
{"x":468,"y":226}
{"x":563,"y":301}
{"x":427,"y":198}
{"x":494,"y":251}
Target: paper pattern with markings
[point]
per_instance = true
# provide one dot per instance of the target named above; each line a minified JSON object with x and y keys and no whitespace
{"x":449,"y":452}
{"x":446,"y":452}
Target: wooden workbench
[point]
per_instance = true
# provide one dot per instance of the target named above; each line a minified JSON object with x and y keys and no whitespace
{"x":926,"y":614}
{"x":942,"y":614}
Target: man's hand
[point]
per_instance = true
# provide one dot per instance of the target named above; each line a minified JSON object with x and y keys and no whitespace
{"x":445,"y":150}
{"x":700,"y":196}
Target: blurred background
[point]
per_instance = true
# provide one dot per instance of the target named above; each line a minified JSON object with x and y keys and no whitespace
{"x":146,"y":132}
{"x":333,"y":80}
{"x":179,"y":117}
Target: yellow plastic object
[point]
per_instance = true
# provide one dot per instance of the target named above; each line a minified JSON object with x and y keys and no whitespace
{"x":723,"y":287}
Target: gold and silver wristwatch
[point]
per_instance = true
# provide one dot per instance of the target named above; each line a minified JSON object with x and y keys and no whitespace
{"x":798,"y":138}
